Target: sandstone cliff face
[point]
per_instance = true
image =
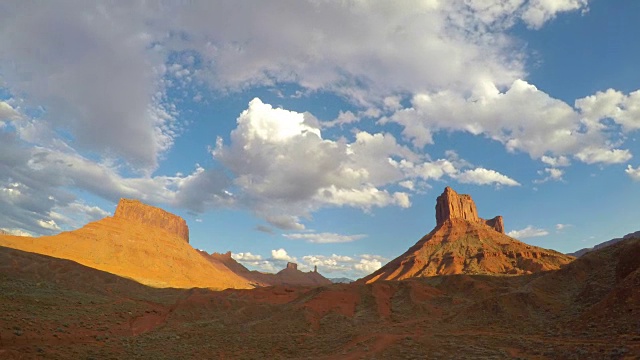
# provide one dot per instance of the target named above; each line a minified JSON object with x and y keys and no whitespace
{"x":131,"y":245}
{"x":451,"y":205}
{"x":496,"y":223}
{"x":137,"y":211}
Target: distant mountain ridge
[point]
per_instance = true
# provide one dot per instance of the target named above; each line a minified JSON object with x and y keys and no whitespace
{"x":463,"y":243}
{"x":581,"y":252}
{"x":290,"y":275}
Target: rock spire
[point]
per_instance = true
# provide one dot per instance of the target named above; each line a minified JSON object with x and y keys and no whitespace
{"x":451,"y":205}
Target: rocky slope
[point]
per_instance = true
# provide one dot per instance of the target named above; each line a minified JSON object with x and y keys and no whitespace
{"x":289,"y":276}
{"x":57,"y":309}
{"x":463,"y":243}
{"x":140,"y":242}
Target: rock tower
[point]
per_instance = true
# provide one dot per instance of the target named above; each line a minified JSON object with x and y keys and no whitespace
{"x":451,"y":205}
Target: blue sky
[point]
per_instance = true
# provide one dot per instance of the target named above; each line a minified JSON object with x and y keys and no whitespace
{"x":321,"y":132}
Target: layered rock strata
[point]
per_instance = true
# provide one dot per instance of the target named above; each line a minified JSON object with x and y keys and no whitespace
{"x":463,"y":243}
{"x":451,"y":205}
{"x":142,"y":243}
{"x":137,"y":211}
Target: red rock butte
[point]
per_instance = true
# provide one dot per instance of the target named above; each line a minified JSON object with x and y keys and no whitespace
{"x":140,"y":242}
{"x":137,"y":211}
{"x":451,"y":205}
{"x":464,"y":243}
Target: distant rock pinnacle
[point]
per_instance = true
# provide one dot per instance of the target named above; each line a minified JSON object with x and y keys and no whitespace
{"x":451,"y":205}
{"x":149,"y":215}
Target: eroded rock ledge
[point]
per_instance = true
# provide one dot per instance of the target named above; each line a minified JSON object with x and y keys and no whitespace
{"x":451,"y":205}
{"x":135,"y":210}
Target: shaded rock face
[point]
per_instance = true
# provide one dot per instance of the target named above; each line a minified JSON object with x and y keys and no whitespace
{"x":496,"y":223}
{"x":289,"y":276}
{"x":451,"y":205}
{"x":137,"y":211}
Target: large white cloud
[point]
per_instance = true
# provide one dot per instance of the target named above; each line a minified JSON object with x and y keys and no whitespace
{"x":107,"y":80}
{"x":523,"y":118}
{"x":396,"y":46}
{"x":105,"y":91}
{"x":286,"y":169}
{"x":621,"y":108}
{"x":93,"y":70}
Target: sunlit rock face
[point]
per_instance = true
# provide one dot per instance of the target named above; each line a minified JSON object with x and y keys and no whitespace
{"x":464,"y":243}
{"x":137,"y":211}
{"x":451,"y":205}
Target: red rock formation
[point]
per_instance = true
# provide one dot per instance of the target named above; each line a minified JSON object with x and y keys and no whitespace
{"x":226,"y":260}
{"x":496,"y":223}
{"x":145,"y":214}
{"x":463,"y":243}
{"x":451,"y":205}
{"x":142,"y":243}
{"x":289,"y":276}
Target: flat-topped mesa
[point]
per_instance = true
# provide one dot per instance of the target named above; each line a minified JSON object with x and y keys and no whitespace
{"x":137,"y":211}
{"x":292,"y":266}
{"x":451,"y":205}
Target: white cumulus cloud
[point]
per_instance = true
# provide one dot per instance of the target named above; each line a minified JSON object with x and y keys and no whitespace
{"x":368,"y":265}
{"x":634,"y":173}
{"x":246,"y":256}
{"x":324,"y":238}
{"x":482,"y":176}
{"x":528,"y":232}
{"x":286,"y":169}
{"x":281,"y":254}
{"x":7,"y":112}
